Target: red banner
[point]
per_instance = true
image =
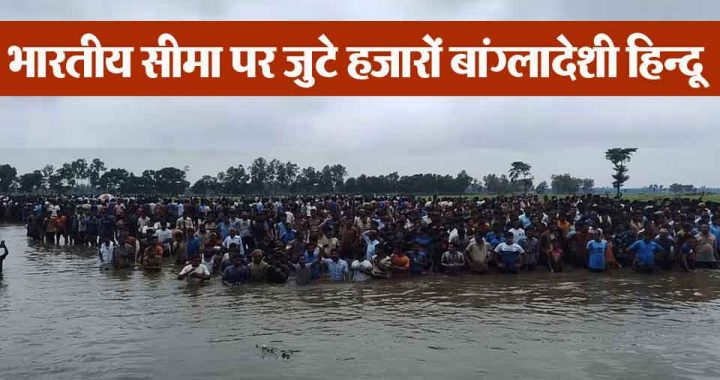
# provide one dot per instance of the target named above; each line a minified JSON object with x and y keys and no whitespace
{"x":360,"y":58}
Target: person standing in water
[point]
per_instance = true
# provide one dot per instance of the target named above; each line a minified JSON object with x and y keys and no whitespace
{"x":596,"y":250}
{"x":237,"y":273}
{"x":106,"y":253}
{"x":194,"y":271}
{"x":3,"y":256}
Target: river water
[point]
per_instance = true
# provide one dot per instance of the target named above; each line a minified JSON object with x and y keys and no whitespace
{"x":61,"y":318}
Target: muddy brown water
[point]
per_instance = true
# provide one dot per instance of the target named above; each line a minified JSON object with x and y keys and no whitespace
{"x":62,"y":318}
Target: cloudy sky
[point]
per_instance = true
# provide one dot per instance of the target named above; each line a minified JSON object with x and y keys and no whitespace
{"x":373,"y":135}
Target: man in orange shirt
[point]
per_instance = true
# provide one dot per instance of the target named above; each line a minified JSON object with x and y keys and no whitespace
{"x":564,"y":225}
{"x":400,"y":263}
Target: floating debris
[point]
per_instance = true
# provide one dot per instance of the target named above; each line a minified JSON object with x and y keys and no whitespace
{"x":274,"y":352}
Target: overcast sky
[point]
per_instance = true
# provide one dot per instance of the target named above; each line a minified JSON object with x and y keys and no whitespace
{"x":373,"y":135}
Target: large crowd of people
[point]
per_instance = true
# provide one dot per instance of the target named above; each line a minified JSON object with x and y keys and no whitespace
{"x":354,"y":238}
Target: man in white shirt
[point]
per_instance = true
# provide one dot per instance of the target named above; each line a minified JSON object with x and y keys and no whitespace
{"x":164,"y":236}
{"x":53,"y":209}
{"x":180,"y":208}
{"x":477,"y":253}
{"x":106,"y":251}
{"x":194,"y":270}
{"x":518,"y":232}
{"x":234,"y":238}
{"x":143,"y":222}
{"x":290,"y":217}
{"x":453,"y":235}
{"x":184,"y":223}
{"x":361,"y":269}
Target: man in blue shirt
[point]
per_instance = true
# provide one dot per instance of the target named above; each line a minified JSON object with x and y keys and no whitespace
{"x":371,"y":241}
{"x":193,"y":245}
{"x":223,"y":229}
{"x":496,"y":236}
{"x":312,"y":260}
{"x":237,"y":273}
{"x":337,"y":267}
{"x":419,"y":260}
{"x":715,"y":228}
{"x":645,"y":251}
{"x":596,"y":249}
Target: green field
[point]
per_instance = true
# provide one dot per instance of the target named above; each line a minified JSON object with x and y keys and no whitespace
{"x":648,"y":197}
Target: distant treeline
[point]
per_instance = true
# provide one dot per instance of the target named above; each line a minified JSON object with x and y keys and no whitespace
{"x":260,"y":177}
{"x":275,"y":177}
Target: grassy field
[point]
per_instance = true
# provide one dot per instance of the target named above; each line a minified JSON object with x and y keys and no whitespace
{"x":647,"y":197}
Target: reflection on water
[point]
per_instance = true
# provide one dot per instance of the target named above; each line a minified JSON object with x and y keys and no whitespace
{"x":61,"y":317}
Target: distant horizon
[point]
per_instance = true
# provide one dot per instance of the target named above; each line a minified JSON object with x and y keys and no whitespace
{"x":372,"y":135}
{"x":210,"y":162}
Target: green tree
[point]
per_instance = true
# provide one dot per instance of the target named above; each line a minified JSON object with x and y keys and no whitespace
{"x":326,"y":180}
{"x":148,"y":183}
{"x":79,"y":169}
{"x":235,"y":180}
{"x":47,"y":172}
{"x":291,"y":175}
{"x":350,"y":186}
{"x":65,"y":178}
{"x":113,"y":180}
{"x":497,"y":185}
{"x":143,"y":184}
{"x":95,"y":170}
{"x":542,"y":187}
{"x":619,"y":157}
{"x":462,"y":182}
{"x":308,"y":180}
{"x":565,"y":184}
{"x":207,"y":185}
{"x":521,"y":171}
{"x":274,"y":170}
{"x":682,"y":189}
{"x":338,"y":174}
{"x":587,"y":184}
{"x":7,"y":177}
{"x":31,"y":182}
{"x":170,"y":181}
{"x":259,"y":174}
